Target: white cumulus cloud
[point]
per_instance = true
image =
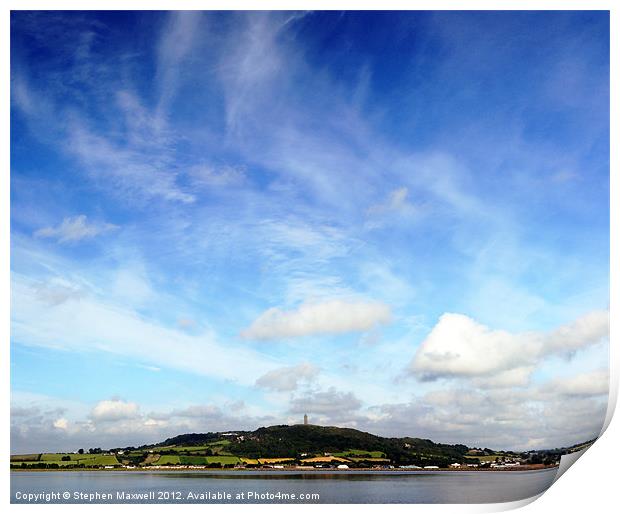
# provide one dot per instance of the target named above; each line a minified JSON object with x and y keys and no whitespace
{"x":288,"y":377}
{"x":61,"y":424}
{"x":330,"y":317}
{"x":586,"y":330}
{"x":458,"y":346}
{"x":593,"y":383}
{"x":114,"y":410}
{"x":331,"y":402}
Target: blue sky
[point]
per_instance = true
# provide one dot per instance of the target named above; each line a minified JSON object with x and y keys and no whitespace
{"x":392,"y":221}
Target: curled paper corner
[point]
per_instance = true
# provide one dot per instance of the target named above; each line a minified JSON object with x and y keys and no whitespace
{"x":513,"y":505}
{"x":566,"y":461}
{"x":614,"y":379}
{"x":484,"y":508}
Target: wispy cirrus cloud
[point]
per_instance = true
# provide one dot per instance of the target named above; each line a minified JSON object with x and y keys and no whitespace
{"x":73,"y":229}
{"x":203,"y":175}
{"x":137,"y":172}
{"x":246,"y":161}
{"x":94,"y":323}
{"x":397,"y":203}
{"x":178,"y":38}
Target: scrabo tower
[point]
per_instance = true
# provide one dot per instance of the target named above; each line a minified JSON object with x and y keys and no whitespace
{"x":305,"y":419}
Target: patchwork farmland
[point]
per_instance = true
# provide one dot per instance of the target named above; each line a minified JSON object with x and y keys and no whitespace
{"x":283,"y":446}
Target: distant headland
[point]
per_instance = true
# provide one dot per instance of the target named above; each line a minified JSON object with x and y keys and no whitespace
{"x":290,"y":447}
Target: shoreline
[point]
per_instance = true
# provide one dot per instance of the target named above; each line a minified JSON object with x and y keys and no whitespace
{"x":532,"y":468}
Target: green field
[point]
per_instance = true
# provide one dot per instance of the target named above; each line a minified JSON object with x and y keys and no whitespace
{"x":216,"y":447}
{"x":360,"y":453}
{"x":202,"y":461}
{"x":195,"y":460}
{"x":60,"y":463}
{"x":484,"y":458}
{"x":186,"y":449}
{"x":197,"y":448}
{"x":168,"y":459}
{"x":58,"y":456}
{"x":135,"y":453}
{"x":27,"y":457}
{"x":223,"y":459}
{"x":87,"y":460}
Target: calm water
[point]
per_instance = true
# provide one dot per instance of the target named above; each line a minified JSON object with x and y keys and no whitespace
{"x":273,"y":487}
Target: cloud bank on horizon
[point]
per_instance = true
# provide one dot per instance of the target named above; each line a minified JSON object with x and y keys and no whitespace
{"x":397,"y":222}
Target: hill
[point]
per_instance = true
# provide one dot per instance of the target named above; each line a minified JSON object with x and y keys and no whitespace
{"x":295,"y":441}
{"x":291,"y":445}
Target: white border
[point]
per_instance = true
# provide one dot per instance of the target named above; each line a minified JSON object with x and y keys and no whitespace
{"x":590,"y":485}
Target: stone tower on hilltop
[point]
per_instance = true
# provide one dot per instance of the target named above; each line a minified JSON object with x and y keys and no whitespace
{"x":305,"y":419}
